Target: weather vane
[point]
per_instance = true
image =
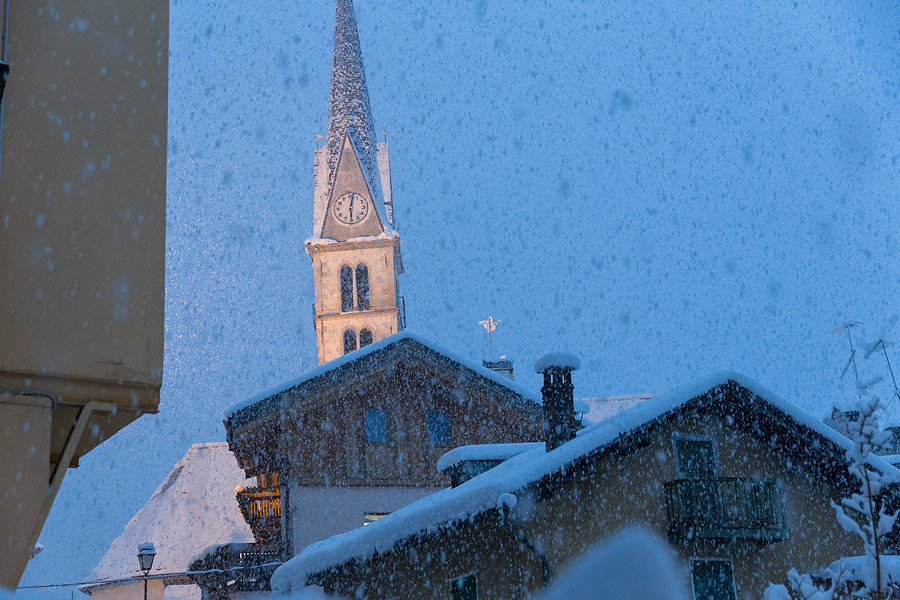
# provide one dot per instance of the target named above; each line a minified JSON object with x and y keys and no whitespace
{"x":319,"y":136}
{"x":491,"y":325}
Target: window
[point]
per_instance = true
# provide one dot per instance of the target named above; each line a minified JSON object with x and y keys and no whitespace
{"x":365,"y":338}
{"x":346,"y":290}
{"x":438,"y":426}
{"x":376,"y":425}
{"x":712,"y":579}
{"x":349,"y":341}
{"x":464,"y":588}
{"x":696,"y":457}
{"x":371,"y":517}
{"x":362,"y":287}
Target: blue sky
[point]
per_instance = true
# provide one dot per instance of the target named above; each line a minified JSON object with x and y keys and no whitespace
{"x":665,"y":189}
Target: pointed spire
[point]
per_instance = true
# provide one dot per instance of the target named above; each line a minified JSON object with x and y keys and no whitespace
{"x":348,"y":102}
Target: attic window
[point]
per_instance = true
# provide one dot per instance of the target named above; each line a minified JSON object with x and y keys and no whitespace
{"x":376,"y":425}
{"x":438,"y":426}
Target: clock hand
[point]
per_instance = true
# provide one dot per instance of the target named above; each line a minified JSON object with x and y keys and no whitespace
{"x":351,"y":209}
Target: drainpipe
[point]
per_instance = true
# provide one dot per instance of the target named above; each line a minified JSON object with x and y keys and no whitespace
{"x":515,"y":528}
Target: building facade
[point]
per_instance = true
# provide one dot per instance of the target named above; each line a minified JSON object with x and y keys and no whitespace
{"x":737,"y":480}
{"x":82,"y":242}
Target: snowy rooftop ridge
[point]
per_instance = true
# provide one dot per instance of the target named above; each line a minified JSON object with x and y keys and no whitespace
{"x":481,"y":493}
{"x":194,"y":507}
{"x":484,"y":452}
{"x":371,"y":349}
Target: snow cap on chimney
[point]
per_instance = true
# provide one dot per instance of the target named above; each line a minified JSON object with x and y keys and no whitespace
{"x":562,"y":360}
{"x":558,"y":397}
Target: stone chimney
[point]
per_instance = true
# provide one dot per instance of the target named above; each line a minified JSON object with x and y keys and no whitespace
{"x":503,"y":367}
{"x":558,"y":397}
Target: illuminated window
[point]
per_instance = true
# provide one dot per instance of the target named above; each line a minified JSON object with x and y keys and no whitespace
{"x":376,"y":425}
{"x":464,"y":588}
{"x":365,"y":338}
{"x":371,"y":517}
{"x":438,"y":426}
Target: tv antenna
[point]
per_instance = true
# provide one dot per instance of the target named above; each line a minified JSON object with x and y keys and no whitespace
{"x":491,"y":325}
{"x":847,"y":326}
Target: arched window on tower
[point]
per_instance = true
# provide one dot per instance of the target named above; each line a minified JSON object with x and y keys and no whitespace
{"x":362,"y":287}
{"x":365,"y":338}
{"x":349,"y":341}
{"x":346,"y":289}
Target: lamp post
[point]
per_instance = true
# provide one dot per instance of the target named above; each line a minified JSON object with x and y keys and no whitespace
{"x":146,"y":554}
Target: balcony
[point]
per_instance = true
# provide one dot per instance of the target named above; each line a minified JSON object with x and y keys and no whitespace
{"x":261,"y":507}
{"x":225,"y":570}
{"x":725,"y":508}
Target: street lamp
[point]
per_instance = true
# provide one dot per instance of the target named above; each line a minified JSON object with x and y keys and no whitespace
{"x":146,"y":554}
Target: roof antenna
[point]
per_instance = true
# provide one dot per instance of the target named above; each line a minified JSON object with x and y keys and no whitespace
{"x":491,"y":325}
{"x":869,"y":351}
{"x":852,"y":360}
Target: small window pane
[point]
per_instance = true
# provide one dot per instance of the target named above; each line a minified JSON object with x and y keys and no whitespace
{"x":365,"y":338}
{"x":696,"y":458}
{"x":438,"y":425}
{"x":362,"y":287}
{"x":713,"y":579}
{"x":376,"y":425}
{"x":346,"y":288}
{"x":464,"y":588}
{"x":349,"y":341}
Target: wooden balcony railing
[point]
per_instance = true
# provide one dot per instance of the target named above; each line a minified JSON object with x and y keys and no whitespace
{"x":229,"y":568}
{"x":725,"y":507}
{"x":261,"y":507}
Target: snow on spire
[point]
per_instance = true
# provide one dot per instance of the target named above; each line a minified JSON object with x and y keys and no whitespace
{"x":349,"y":111}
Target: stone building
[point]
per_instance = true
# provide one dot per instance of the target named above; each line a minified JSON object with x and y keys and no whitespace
{"x":739,"y":481}
{"x":355,"y":249}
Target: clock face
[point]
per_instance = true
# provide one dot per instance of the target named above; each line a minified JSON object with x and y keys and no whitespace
{"x":351,"y":208}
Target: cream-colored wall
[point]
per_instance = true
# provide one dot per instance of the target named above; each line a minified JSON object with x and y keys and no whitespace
{"x":83,"y":190}
{"x":381,"y":318}
{"x":24,"y":473}
{"x":318,"y":513}
{"x":612,"y":493}
{"x":82,"y":233}
{"x":130,"y":590}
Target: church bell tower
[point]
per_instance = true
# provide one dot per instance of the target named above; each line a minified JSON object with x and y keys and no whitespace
{"x":355,"y":249}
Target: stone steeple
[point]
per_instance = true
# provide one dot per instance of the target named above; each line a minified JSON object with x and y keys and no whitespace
{"x":355,"y":249}
{"x":349,"y":111}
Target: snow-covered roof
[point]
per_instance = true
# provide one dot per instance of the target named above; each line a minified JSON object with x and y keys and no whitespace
{"x":381,"y":344}
{"x":481,"y":493}
{"x":604,"y":407}
{"x":483,"y":452}
{"x":192,"y":509}
{"x":557,"y":359}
